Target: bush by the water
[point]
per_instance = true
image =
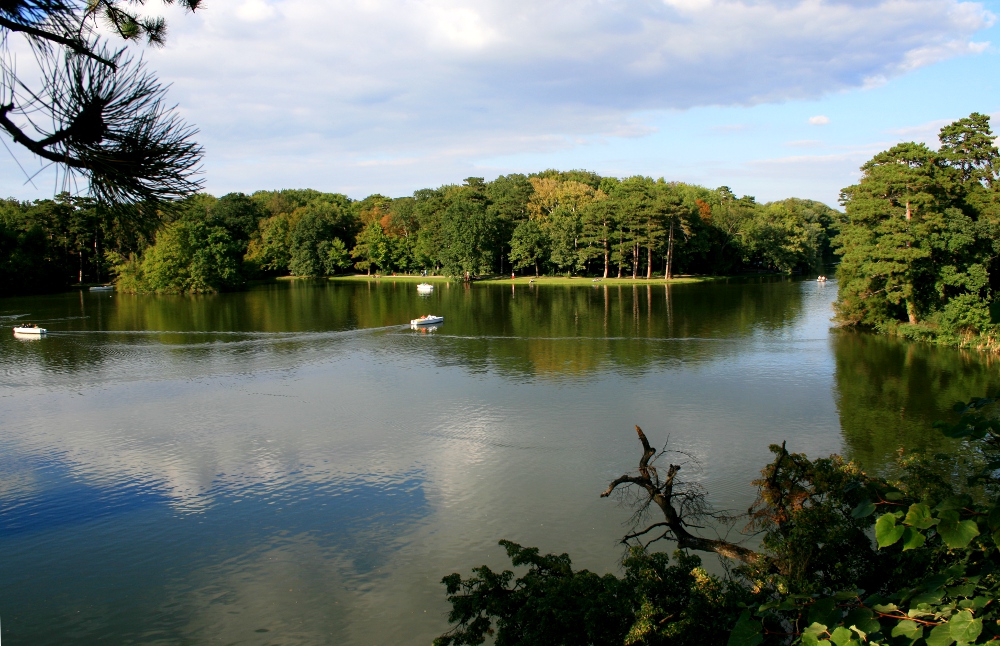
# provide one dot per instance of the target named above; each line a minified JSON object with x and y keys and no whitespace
{"x":845,"y":558}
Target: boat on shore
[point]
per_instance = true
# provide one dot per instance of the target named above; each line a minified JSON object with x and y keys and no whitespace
{"x":32,"y":330}
{"x":425,"y":288}
{"x":102,"y":288}
{"x":427,"y":319}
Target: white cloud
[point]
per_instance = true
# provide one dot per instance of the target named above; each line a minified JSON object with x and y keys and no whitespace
{"x":409,"y":77}
{"x":295,"y":92}
{"x":924,"y":132}
{"x":927,"y":133}
{"x":780,"y":177}
{"x":255,"y":11}
{"x":819,"y":120}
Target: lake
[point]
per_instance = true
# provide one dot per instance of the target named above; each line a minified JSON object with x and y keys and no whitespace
{"x":294,"y":465}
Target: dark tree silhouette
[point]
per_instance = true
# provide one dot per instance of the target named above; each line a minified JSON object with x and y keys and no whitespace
{"x":91,"y":109}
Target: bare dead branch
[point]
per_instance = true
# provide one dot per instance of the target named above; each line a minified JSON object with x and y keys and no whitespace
{"x":676,"y":507}
{"x":645,"y":531}
{"x":621,"y":480}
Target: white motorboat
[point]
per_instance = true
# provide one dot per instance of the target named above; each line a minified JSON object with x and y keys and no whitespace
{"x":427,"y":319}
{"x":425,"y":288}
{"x":29,"y":329}
{"x":102,"y":288}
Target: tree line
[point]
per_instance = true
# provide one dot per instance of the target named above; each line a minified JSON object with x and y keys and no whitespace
{"x":920,"y":244}
{"x":574,"y":222}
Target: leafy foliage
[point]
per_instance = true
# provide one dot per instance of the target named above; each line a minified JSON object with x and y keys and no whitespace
{"x":657,"y":601}
{"x":62,"y":241}
{"x":189,"y":257}
{"x":845,"y":558}
{"x":921,"y":237}
{"x":574,"y":222}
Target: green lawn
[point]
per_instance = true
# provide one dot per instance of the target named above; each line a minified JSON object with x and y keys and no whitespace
{"x":524,"y":280}
{"x":584,"y":280}
{"x":400,"y":278}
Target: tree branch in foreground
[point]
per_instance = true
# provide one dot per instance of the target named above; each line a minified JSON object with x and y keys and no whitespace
{"x":671,"y":503}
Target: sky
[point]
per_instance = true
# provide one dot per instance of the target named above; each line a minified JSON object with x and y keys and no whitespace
{"x":773,"y":98}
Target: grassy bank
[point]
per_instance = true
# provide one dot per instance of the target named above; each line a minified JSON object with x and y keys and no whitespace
{"x":363,"y":278}
{"x":524,"y":280}
{"x":583,"y":280}
{"x":987,"y":340}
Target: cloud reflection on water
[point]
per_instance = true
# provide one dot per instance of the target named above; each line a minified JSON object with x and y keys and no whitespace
{"x":310,"y":470}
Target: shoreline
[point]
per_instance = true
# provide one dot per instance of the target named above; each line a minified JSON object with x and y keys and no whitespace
{"x":574,"y":281}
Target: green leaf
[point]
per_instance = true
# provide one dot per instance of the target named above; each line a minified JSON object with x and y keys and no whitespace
{"x":887,"y":531}
{"x":844,"y":595}
{"x":919,"y":516}
{"x":814,"y":629}
{"x":940,"y":636}
{"x":935,"y":581}
{"x":865,"y":509}
{"x":894,"y":496}
{"x":746,"y":632}
{"x":954,"y":502}
{"x":994,"y":518}
{"x":962,"y":590}
{"x":862,"y":634}
{"x":954,"y":532}
{"x":930,"y":598}
{"x":912,"y":539}
{"x":812,"y":640}
{"x":862,"y":620}
{"x":963,"y":627}
{"x":824,"y":611}
{"x":841,"y":636}
{"x":907,"y":628}
{"x":885,"y":607}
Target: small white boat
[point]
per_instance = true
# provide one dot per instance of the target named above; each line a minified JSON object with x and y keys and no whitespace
{"x":29,"y":329}
{"x":427,"y":319}
{"x":102,"y":288}
{"x":425,"y":288}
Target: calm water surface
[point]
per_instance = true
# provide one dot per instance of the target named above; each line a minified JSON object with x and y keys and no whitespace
{"x":291,"y":465}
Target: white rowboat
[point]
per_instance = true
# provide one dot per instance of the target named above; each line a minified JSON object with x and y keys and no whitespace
{"x":29,"y":329}
{"x":427,"y":319}
{"x":102,"y":288}
{"x":425,"y":288}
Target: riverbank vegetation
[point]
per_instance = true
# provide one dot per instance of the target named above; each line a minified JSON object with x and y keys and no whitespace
{"x":844,"y":557}
{"x":920,"y":244}
{"x":548,"y":223}
{"x":529,"y":280}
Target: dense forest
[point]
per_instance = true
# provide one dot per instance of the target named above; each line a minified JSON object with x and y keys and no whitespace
{"x":920,"y":244}
{"x":551,"y":222}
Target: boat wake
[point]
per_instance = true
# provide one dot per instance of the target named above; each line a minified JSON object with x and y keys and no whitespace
{"x":692,"y":339}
